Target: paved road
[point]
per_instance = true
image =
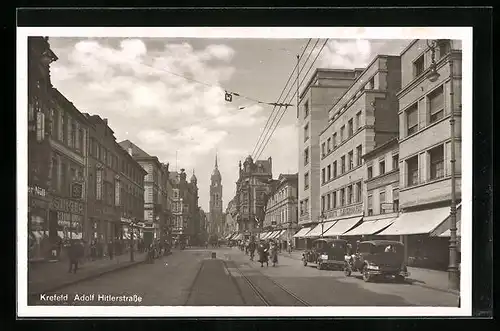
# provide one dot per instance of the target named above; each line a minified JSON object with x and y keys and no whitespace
{"x":192,"y":278}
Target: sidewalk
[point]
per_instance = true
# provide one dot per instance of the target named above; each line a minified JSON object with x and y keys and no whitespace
{"x":433,"y":279}
{"x":50,"y":276}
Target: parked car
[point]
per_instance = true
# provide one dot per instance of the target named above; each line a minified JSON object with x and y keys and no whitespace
{"x":377,"y":258}
{"x":326,"y":253}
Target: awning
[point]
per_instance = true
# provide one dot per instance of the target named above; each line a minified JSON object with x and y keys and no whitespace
{"x":274,"y":235}
{"x":233,"y":236}
{"x":443,"y":230}
{"x":342,"y":226}
{"x":280,"y":234}
{"x":238,"y":236}
{"x":302,"y":232}
{"x":417,"y":222}
{"x":370,"y":227}
{"x":316,"y":231}
{"x":447,"y":233}
{"x":264,"y":235}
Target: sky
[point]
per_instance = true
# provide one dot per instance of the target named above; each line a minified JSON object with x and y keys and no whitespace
{"x":167,"y":94}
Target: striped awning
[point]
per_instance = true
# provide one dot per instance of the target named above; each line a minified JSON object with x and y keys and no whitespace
{"x":279,"y":234}
{"x":417,"y":222}
{"x":302,"y":232}
{"x":342,"y":226}
{"x":371,"y":227}
{"x":273,"y":235}
{"x":264,"y":235}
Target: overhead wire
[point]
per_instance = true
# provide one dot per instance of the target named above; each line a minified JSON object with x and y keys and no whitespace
{"x":283,"y":113}
{"x":272,"y":111}
{"x":260,"y":148}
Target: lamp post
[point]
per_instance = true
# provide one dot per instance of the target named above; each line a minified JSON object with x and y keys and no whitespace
{"x":322,"y":218}
{"x":453,"y":273}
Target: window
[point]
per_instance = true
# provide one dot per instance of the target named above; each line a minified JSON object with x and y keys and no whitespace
{"x":444,"y":48}
{"x":306,"y":132}
{"x":342,"y":164}
{"x":370,"y":205}
{"x":342,"y":197}
{"x":334,"y":169}
{"x":53,"y":181}
{"x":98,"y":151}
{"x":395,"y":199}
{"x":323,"y":176}
{"x":306,"y":181}
{"x":358,"y":121}
{"x":334,"y":140}
{"x":98,"y":184}
{"x":329,"y":172}
{"x":359,"y":155}
{"x":349,"y":195}
{"x":117,"y":193}
{"x":329,"y":145}
{"x":412,"y":119}
{"x":436,"y":104}
{"x":350,"y":128}
{"x":323,"y":203}
{"x":342,"y":131}
{"x":412,"y":166}
{"x":371,"y":83}
{"x":64,"y":178}
{"x":334,"y":199}
{"x":328,"y":202}
{"x":306,"y":108}
{"x":382,"y":201}
{"x":358,"y":192}
{"x":306,"y":156}
{"x":62,"y":126}
{"x":395,"y":161}
{"x":381,"y":167}
{"x":436,"y":156}
{"x":323,"y":149}
{"x":370,"y":172}
{"x":418,"y":66}
{"x":350,"y":159}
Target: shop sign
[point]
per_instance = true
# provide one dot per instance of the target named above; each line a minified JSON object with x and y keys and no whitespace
{"x":68,"y":220}
{"x":69,"y":206}
{"x":37,"y":191}
{"x":346,"y":211}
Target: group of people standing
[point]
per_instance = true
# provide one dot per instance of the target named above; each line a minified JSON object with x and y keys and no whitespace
{"x":267,"y":250}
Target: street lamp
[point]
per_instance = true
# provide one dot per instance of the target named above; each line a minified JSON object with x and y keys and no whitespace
{"x":453,"y":273}
{"x":432,"y":75}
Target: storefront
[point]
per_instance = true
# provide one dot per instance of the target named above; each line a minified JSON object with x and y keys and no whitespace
{"x":66,"y":222}
{"x":38,"y":229}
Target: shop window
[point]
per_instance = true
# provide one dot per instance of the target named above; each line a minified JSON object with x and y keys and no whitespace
{"x":436,"y":156}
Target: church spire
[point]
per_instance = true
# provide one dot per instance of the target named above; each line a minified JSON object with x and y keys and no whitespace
{"x":216,"y":167}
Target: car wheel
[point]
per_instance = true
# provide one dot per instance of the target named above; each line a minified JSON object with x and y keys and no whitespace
{"x":400,"y":279}
{"x":366,"y":276}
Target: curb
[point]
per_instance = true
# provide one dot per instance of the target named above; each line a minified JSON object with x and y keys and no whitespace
{"x":89,"y":277}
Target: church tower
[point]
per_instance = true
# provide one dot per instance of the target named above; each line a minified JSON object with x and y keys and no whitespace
{"x":216,"y":220}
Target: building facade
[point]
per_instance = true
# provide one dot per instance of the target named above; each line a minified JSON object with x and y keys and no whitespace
{"x":216,"y":217}
{"x":425,"y":106}
{"x":185,"y":209}
{"x":324,"y":88}
{"x":230,"y":225}
{"x":69,"y":171}
{"x":116,"y":187}
{"x":156,"y":214}
{"x":39,"y":151}
{"x":251,"y":189}
{"x":364,"y":118}
{"x":281,"y":213}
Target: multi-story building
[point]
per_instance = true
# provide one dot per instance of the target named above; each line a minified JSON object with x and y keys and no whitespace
{"x":425,"y":104}
{"x":69,"y":132}
{"x":39,"y":152}
{"x":185,"y":209}
{"x":364,"y":118}
{"x":215,"y":204}
{"x":203,"y":227}
{"x":116,"y":186}
{"x":281,"y":210}
{"x":381,"y":187}
{"x":324,"y":89}
{"x":230,"y":225}
{"x":156,"y":213}
{"x":251,"y":189}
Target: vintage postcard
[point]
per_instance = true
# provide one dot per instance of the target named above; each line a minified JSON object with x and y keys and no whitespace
{"x":244,"y":171}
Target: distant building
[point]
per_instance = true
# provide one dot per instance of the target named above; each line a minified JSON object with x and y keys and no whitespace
{"x":281,"y":213}
{"x":251,"y":188}
{"x":230,"y":224}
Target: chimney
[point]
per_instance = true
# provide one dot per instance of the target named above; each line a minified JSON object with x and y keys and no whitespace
{"x":105,"y":120}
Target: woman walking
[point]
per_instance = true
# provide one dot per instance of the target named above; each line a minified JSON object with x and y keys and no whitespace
{"x":263,"y":254}
{"x":274,"y":253}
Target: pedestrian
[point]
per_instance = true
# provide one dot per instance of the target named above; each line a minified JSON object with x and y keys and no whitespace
{"x":274,"y":253}
{"x":263,"y":254}
{"x":289,"y":246}
{"x":110,"y":249}
{"x":73,"y":254}
{"x":251,"y":248}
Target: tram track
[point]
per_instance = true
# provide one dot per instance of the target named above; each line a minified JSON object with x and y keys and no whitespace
{"x":259,"y":292}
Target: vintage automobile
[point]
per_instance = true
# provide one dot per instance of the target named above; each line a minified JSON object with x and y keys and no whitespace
{"x":377,"y":258}
{"x":326,"y":253}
